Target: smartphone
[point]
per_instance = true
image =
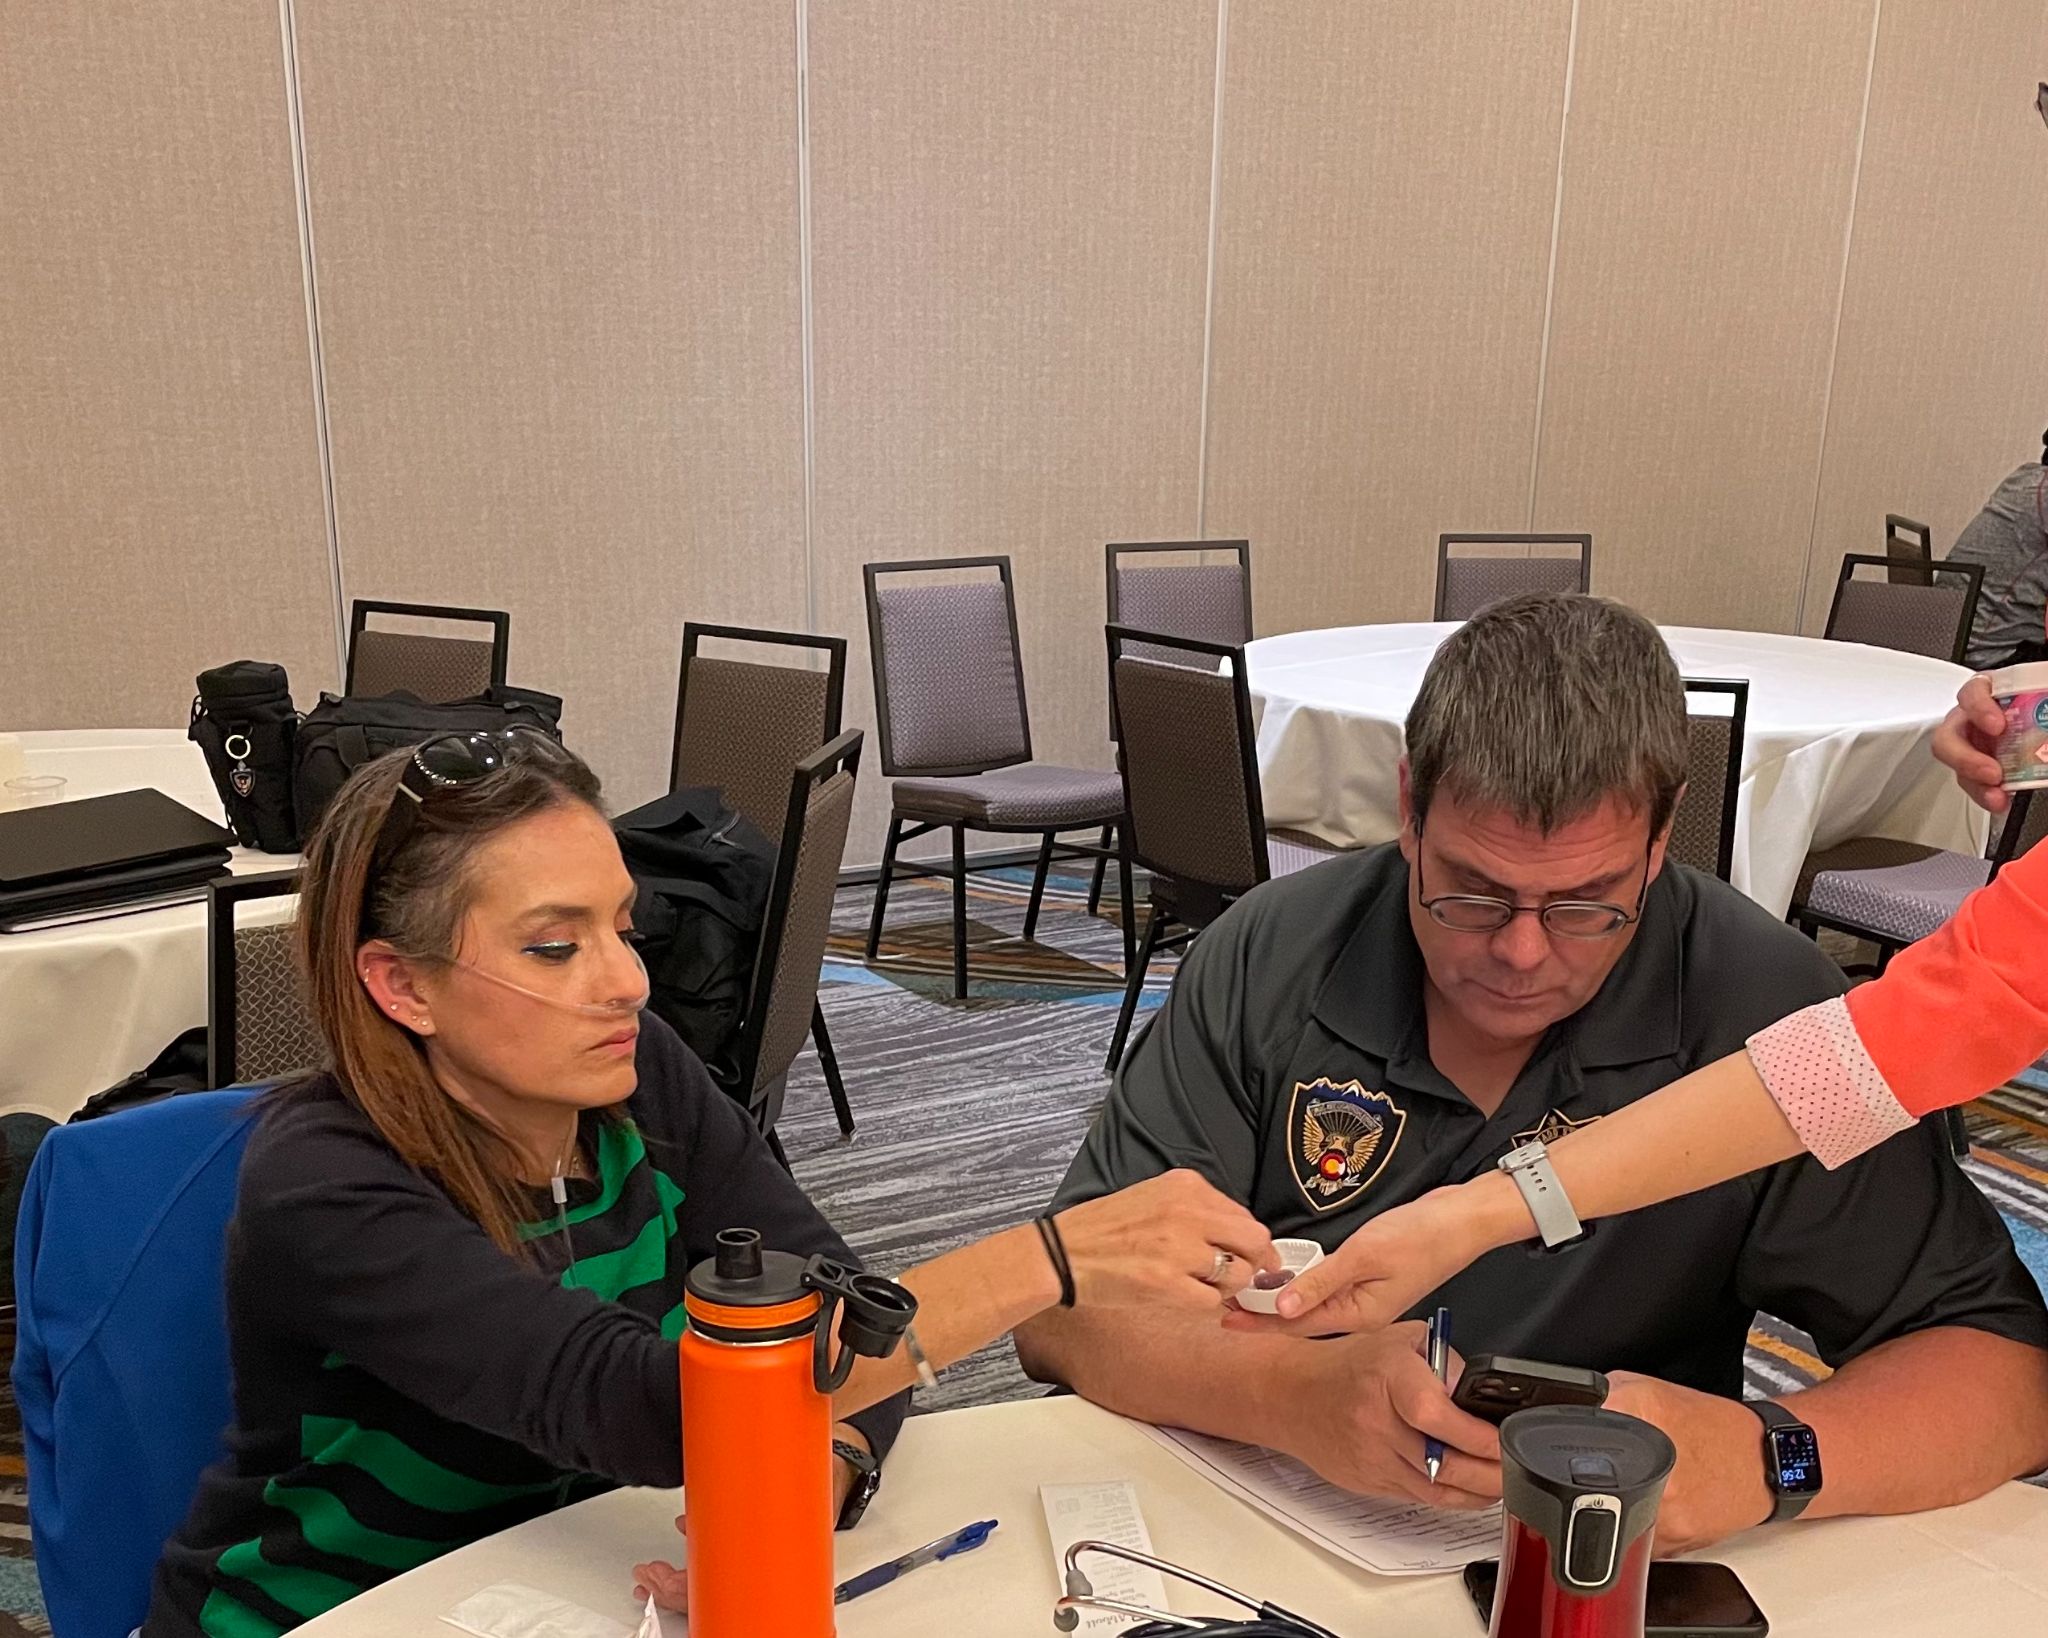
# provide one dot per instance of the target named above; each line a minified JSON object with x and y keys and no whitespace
{"x":1494,"y":1387}
{"x":1687,"y":1600}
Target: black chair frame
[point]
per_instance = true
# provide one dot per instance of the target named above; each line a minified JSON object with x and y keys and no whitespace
{"x":361,"y":608}
{"x":223,"y":895}
{"x":843,"y":751}
{"x":1185,"y":906}
{"x":1906,"y":574}
{"x":1445,"y":542}
{"x":834,"y":650}
{"x":903,"y":830}
{"x":1113,"y":553}
{"x":1737,"y":690}
{"x":1906,"y":543}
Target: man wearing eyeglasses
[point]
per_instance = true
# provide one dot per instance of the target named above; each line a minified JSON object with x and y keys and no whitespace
{"x":1522,"y":961}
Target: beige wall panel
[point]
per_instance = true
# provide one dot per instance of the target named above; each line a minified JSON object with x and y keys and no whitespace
{"x":1387,"y":185}
{"x":1708,"y":161}
{"x":1010,"y":211}
{"x":557,"y":248}
{"x":1938,"y":382}
{"x":160,"y":504}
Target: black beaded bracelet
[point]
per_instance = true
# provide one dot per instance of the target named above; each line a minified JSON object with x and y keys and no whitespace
{"x":1056,"y":1250}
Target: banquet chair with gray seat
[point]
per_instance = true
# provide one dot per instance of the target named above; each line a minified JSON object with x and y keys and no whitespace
{"x":1923,"y":608}
{"x":782,"y":1003}
{"x":1154,"y":587}
{"x":1891,"y":894}
{"x":432,"y":666}
{"x":956,"y":736}
{"x":1188,"y":758}
{"x":1703,"y":829}
{"x":1475,"y":570}
{"x":742,"y":726}
{"x":258,"y":1026}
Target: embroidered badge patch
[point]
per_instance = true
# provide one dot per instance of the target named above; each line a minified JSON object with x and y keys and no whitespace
{"x":1554,"y":1125}
{"x":1342,"y":1138}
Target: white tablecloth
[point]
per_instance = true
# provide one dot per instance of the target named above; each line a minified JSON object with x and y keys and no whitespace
{"x":1837,"y":742}
{"x":83,"y":1006}
{"x":1986,"y":1564}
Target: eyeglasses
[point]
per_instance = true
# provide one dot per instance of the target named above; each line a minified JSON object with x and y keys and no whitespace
{"x":444,"y":763}
{"x":1564,"y":918}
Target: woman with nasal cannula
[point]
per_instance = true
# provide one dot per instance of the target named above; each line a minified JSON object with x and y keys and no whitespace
{"x":1951,"y":1016}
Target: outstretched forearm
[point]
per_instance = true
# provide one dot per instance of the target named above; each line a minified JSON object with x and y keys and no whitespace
{"x":1718,"y":1122}
{"x":1176,"y":1369}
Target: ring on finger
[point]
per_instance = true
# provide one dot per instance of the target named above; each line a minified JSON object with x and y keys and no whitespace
{"x":1219,"y":1268}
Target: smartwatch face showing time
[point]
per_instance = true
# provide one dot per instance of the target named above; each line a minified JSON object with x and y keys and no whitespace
{"x":1795,"y":1458}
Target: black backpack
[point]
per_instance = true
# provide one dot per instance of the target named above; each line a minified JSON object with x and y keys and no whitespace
{"x":180,"y":1067}
{"x":704,"y":873}
{"x":339,"y":735}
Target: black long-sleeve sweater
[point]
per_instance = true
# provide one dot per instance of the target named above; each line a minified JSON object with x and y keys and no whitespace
{"x":403,"y":1387}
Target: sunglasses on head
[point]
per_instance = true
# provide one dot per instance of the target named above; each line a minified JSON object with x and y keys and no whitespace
{"x":449,"y":762}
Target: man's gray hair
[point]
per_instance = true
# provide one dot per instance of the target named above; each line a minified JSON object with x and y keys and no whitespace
{"x":1544,"y":705}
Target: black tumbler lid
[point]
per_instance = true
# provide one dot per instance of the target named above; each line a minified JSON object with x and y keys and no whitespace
{"x":1589,"y":1482}
{"x":744,"y":1274}
{"x":1571,"y":1451}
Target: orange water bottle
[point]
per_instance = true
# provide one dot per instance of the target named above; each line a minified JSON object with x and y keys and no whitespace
{"x":759,"y":1369}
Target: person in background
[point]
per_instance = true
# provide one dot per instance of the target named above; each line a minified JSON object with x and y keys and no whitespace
{"x":1522,"y":964}
{"x":455,"y":1266}
{"x":2010,"y":539}
{"x":1951,"y":1017}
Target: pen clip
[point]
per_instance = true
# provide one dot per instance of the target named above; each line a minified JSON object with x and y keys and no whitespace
{"x":973,"y":1536}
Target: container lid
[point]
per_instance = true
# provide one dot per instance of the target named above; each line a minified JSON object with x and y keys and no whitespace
{"x":2019,"y":679}
{"x":746,"y":1287}
{"x":1572,"y":1449}
{"x":1589,"y":1481}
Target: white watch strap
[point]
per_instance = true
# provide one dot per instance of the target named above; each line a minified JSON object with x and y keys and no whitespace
{"x":1530,"y":1167}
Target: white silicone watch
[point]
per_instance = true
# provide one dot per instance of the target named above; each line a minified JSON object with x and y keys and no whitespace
{"x":1530,"y":1167}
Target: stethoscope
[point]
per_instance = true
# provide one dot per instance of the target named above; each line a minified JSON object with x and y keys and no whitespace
{"x":1271,"y":1620}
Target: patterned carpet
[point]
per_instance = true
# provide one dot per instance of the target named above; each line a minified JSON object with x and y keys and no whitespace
{"x":929,"y":1170}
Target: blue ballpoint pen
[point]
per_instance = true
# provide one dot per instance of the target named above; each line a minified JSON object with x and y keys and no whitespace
{"x":960,"y":1541}
{"x":1439,"y":1362}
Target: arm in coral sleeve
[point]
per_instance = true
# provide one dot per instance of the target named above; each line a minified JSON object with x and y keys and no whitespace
{"x":1965,"y":1009}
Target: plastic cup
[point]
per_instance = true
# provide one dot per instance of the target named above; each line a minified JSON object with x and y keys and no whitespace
{"x":28,"y":790}
{"x":2022,"y":694}
{"x":1296,"y":1257}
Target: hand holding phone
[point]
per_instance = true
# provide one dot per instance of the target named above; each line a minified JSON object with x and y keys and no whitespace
{"x":1494,"y":1386}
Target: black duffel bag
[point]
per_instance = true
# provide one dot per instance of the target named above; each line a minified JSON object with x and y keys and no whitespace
{"x":340,"y":734}
{"x":704,"y":874}
{"x":244,"y":721}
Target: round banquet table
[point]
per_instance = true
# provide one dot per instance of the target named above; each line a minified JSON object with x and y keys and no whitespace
{"x":1856,"y":1578}
{"x":83,"y":1006}
{"x":1837,"y":741}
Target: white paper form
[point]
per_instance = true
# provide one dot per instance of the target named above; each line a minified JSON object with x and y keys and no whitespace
{"x":1386,"y":1537}
{"x":1103,"y":1512}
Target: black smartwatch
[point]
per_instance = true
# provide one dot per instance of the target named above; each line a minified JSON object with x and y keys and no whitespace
{"x":867,"y":1479}
{"x":1791,"y":1459}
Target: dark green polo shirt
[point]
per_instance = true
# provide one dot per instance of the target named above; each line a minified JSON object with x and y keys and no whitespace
{"x":1290,"y":1066}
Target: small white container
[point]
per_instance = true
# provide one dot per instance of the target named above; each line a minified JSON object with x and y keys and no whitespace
{"x":2022,"y":694}
{"x":1296,"y":1257}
